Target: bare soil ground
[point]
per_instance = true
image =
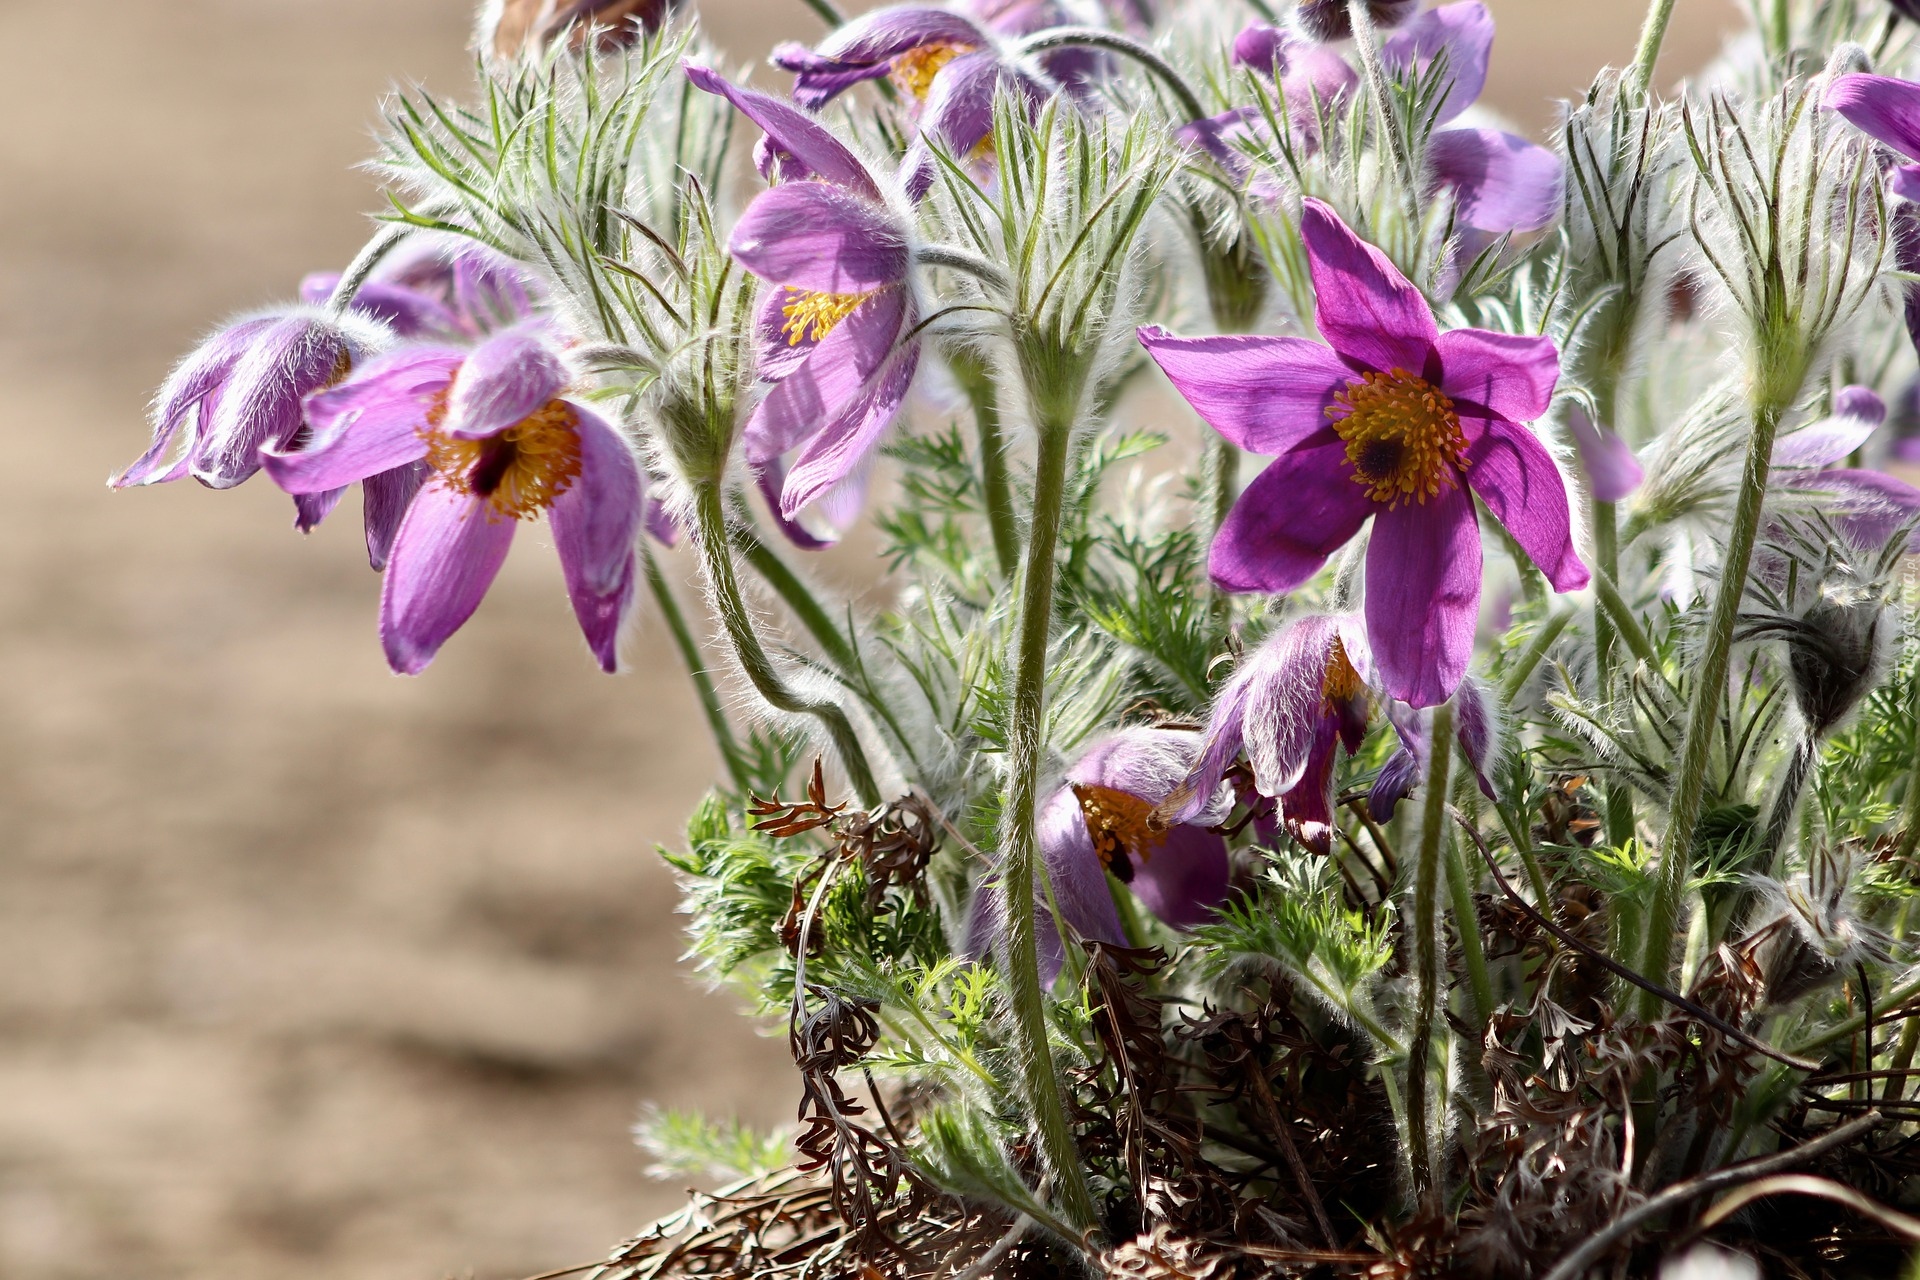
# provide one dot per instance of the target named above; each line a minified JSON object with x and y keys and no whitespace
{"x":307,"y":970}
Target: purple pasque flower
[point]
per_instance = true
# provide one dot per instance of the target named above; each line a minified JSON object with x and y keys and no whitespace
{"x":1310,"y":77}
{"x":436,"y":293}
{"x":837,"y":321}
{"x":488,"y":439}
{"x":1104,"y":818}
{"x":1501,"y":183}
{"x":1885,"y":109}
{"x":1389,"y":419}
{"x":1476,"y":727}
{"x":1612,"y":471}
{"x":240,"y":392}
{"x":1867,"y":506}
{"x":1290,"y":703}
{"x":1330,"y":20}
{"x":946,"y":64}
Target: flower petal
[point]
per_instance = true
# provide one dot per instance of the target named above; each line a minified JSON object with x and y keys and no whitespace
{"x":819,"y":237}
{"x":1501,"y":183}
{"x":259,"y":402}
{"x":1285,"y":712}
{"x":1612,"y":471}
{"x":408,"y":312}
{"x":1264,"y":394}
{"x":1367,"y":311}
{"x":1423,"y":596}
{"x":1857,"y":414}
{"x":597,"y":519}
{"x":1881,"y":107}
{"x":843,"y":447}
{"x":1074,"y":869}
{"x":602,"y":614}
{"x":1515,"y":476}
{"x":807,"y":147}
{"x":1463,"y":34}
{"x":1184,"y":881}
{"x":506,"y":379}
{"x":780,"y":353}
{"x":821,"y":390}
{"x":1307,"y":806}
{"x":186,"y":395}
{"x":880,"y":36}
{"x":1869,"y":507}
{"x":384,"y":500}
{"x":1506,"y":375}
{"x":449,"y":548}
{"x":959,"y":106}
{"x":1295,"y":514}
{"x":309,"y":509}
{"x":373,"y":422}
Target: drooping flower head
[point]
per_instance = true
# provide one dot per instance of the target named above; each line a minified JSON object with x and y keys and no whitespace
{"x":1476,"y":729}
{"x":509,"y":28}
{"x":1389,"y":420}
{"x":436,"y":292}
{"x":1292,"y":701}
{"x":241,"y":391}
{"x":1330,"y":20}
{"x":836,"y":322}
{"x":947,"y":65}
{"x":489,"y":439}
{"x":1868,"y":507}
{"x":1103,"y":819}
{"x":1311,"y":79}
{"x":1612,"y":472}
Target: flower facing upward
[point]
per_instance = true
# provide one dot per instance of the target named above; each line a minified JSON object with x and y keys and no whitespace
{"x":837,"y":315}
{"x":492,"y":440}
{"x":1292,"y":701}
{"x":1105,"y":818}
{"x":1390,"y":420}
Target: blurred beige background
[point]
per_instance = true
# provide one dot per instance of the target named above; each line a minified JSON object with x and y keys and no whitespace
{"x":306,"y":970}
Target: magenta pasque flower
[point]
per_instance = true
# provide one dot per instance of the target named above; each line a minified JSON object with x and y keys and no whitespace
{"x":837,"y":318}
{"x":1104,"y":819}
{"x":1392,"y":420}
{"x":1288,"y":706}
{"x":491,"y":439}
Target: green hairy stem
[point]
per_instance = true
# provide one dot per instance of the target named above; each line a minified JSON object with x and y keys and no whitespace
{"x":696,"y":664}
{"x":996,"y":487}
{"x":1426,"y":960}
{"x":1690,"y":788}
{"x":1026,"y":753}
{"x":736,"y":620}
{"x":1653,"y":33}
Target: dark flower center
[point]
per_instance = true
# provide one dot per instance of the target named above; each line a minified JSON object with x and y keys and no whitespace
{"x":1403,"y":436}
{"x":520,"y":471}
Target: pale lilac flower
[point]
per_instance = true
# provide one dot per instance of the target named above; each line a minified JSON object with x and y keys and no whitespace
{"x":1501,"y":183}
{"x":946,"y":64}
{"x":1867,"y":506}
{"x":436,"y":293}
{"x":836,"y":327}
{"x":1476,"y":728}
{"x":1292,"y":701}
{"x":1103,"y":818}
{"x":1390,"y":420}
{"x":500,"y":443}
{"x":509,"y":27}
{"x":1612,"y":472}
{"x":1310,"y":77}
{"x":241,"y":391}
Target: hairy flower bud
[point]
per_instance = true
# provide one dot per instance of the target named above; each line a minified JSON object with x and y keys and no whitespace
{"x":1328,"y":20}
{"x":510,"y":27}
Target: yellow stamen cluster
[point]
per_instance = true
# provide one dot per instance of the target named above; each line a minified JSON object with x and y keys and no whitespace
{"x":913,"y":71}
{"x":520,"y":471}
{"x":1123,"y":827}
{"x":820,"y":312}
{"x":1403,"y":436}
{"x":1341,"y":683}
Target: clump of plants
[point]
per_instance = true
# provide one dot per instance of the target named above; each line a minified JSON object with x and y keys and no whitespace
{"x":1475,"y":839}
